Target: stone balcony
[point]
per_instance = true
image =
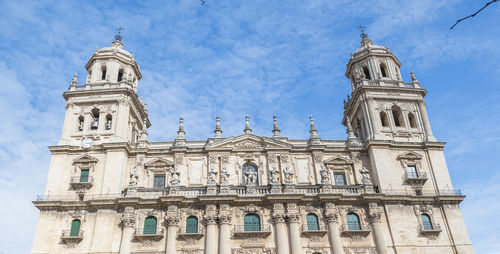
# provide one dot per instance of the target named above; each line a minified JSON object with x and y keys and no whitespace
{"x":252,"y":230}
{"x":313,"y":229}
{"x":78,"y":182}
{"x":363,"y":230}
{"x":71,"y":239}
{"x":415,"y":178}
{"x":141,"y":236}
{"x":430,"y":232}
{"x":183,"y":234}
{"x":67,"y":235}
{"x":184,"y":192}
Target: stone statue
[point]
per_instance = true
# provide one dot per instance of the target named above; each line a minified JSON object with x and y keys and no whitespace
{"x":134,"y":177}
{"x":325,"y":177}
{"x":251,"y":177}
{"x":224,"y":174}
{"x":357,"y":76}
{"x":363,"y":76}
{"x":212,"y":176}
{"x":365,"y":177}
{"x":274,"y":175}
{"x":175,"y":176}
{"x":288,"y":175}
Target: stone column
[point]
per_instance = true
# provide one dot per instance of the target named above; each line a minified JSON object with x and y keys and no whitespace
{"x":128,"y":228}
{"x":294,"y":224}
{"x":425,"y":120}
{"x":378,"y":233}
{"x":210,"y":235}
{"x":280,"y":237}
{"x":172,"y":229}
{"x":331,"y":218}
{"x":224,"y":229}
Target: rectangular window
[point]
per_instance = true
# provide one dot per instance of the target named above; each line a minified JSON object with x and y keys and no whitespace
{"x":412,"y":171}
{"x":159,"y":181}
{"x":84,"y":175}
{"x":339,"y":178}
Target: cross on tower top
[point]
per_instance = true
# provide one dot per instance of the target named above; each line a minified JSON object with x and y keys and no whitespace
{"x":362,"y":29}
{"x":119,"y":35}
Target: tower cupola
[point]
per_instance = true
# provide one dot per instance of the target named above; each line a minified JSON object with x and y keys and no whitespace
{"x":373,"y":65}
{"x":112,"y":65}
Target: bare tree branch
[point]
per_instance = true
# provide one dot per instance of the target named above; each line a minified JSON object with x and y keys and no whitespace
{"x":472,"y":15}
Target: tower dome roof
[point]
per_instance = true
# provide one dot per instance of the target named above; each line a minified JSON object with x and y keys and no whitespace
{"x":116,"y":52}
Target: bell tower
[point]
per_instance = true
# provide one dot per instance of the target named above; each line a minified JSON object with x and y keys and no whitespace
{"x":382,"y":106}
{"x":106,"y":109}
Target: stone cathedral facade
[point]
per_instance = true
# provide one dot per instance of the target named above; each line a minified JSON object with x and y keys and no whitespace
{"x":385,"y":189}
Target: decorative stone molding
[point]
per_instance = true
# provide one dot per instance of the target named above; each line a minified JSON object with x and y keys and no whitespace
{"x":331,"y":217}
{"x":210,"y":219}
{"x":360,"y":250}
{"x":317,"y":157}
{"x":159,"y":165}
{"x":293,"y":217}
{"x":278,"y":218}
{"x":314,"y":250}
{"x":225,"y":219}
{"x":374,"y":213}
{"x":128,"y":217}
{"x":179,"y":158}
{"x":253,"y":251}
{"x":251,"y":208}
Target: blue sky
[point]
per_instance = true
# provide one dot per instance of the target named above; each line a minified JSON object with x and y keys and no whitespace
{"x":232,"y":58}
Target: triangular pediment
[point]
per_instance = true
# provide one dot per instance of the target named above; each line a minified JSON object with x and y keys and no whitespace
{"x":410,"y":156}
{"x":338,"y":160}
{"x":158,"y":163}
{"x":84,"y":159}
{"x":248,"y":142}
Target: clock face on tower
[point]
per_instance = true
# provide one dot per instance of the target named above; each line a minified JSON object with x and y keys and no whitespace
{"x":87,"y":143}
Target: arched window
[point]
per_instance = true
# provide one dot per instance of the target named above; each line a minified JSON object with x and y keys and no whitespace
{"x":312,"y":222}
{"x":426,"y":221}
{"x":109,"y":121}
{"x":366,"y":72}
{"x":353,"y":222}
{"x":103,"y":72}
{"x":81,"y":120}
{"x":75,"y":228}
{"x":250,"y":174}
{"x":120,"y":75}
{"x":192,"y":225}
{"x":383,"y":70}
{"x":383,"y":119}
{"x":411,"y":119}
{"x":251,"y":222}
{"x":150,"y":225}
{"x":397,"y":115}
{"x":95,"y":119}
